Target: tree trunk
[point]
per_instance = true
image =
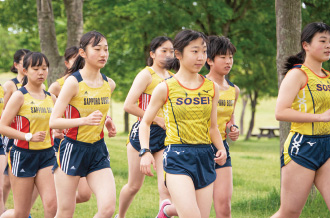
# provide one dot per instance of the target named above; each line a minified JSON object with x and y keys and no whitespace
{"x":253,"y":98}
{"x":126,"y":122}
{"x":47,"y":33}
{"x":74,"y":13}
{"x":288,"y":30}
{"x":241,"y":123}
{"x":48,"y":41}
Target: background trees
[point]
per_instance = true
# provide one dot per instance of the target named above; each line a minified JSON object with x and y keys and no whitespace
{"x":53,"y":25}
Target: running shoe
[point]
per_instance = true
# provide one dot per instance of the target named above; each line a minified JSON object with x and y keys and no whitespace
{"x":161,"y":213}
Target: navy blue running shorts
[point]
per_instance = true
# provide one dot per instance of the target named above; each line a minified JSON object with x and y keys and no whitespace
{"x":57,"y":142}
{"x":310,"y":151}
{"x":26,"y":163}
{"x":195,"y":161}
{"x":2,"y":147}
{"x":157,"y":137}
{"x":78,"y":158}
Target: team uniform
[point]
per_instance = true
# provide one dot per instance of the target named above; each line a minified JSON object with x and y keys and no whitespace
{"x":26,"y":158}
{"x":225,"y":109}
{"x":83,"y":149}
{"x":157,"y":134}
{"x":187,"y":114}
{"x":57,"y":141}
{"x":8,"y":143}
{"x":2,"y":93}
{"x":308,"y":143}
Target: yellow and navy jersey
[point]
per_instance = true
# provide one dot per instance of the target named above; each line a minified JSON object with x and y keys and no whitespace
{"x":225,"y":108}
{"x":312,"y":98}
{"x":83,"y":104}
{"x":187,"y":112}
{"x":61,"y":81}
{"x":17,"y":83}
{"x":2,"y":94}
{"x":145,"y":97}
{"x":33,"y":117}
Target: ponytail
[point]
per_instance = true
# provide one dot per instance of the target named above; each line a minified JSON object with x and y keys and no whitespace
{"x":172,"y":64}
{"x":293,"y":60}
{"x":150,"y":61}
{"x":24,"y":80}
{"x":78,"y":64}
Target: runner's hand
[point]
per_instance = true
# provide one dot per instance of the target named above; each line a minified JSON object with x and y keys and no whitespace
{"x":38,"y":136}
{"x":146,"y":160}
{"x":221,"y":157}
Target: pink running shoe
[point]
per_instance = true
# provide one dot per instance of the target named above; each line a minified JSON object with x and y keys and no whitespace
{"x":161,"y":213}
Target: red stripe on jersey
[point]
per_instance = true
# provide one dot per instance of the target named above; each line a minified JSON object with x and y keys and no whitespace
{"x":102,"y":134}
{"x":23,"y":125}
{"x":71,"y":113}
{"x":143,"y":102}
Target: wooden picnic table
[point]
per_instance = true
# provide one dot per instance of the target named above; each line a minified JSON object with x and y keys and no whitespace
{"x":268,"y":131}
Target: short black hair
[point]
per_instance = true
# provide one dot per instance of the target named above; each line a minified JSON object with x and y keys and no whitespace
{"x":218,"y":45}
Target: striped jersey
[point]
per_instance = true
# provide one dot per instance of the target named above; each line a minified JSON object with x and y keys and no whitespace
{"x":83,"y":104}
{"x":33,"y":117}
{"x":187,"y":112}
{"x":145,"y":97}
{"x":225,"y":108}
{"x":312,"y":98}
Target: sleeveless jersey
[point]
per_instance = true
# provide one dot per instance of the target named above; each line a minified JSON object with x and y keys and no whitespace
{"x":61,"y":81}
{"x":225,"y":108}
{"x":2,"y":94}
{"x":187,"y":112}
{"x":33,"y":117}
{"x":17,"y":83}
{"x":83,"y":104}
{"x":145,"y":97}
{"x":312,"y":98}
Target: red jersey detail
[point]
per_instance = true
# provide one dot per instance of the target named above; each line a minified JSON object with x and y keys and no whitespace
{"x":143,"y":102}
{"x":71,"y":113}
{"x":23,"y":125}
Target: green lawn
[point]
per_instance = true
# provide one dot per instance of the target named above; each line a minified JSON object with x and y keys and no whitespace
{"x":256,"y":183}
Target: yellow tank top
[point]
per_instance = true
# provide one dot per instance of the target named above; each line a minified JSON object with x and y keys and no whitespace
{"x":17,"y":83}
{"x":87,"y":101}
{"x":145,"y":97}
{"x":187,"y":112}
{"x":2,"y":94}
{"x":61,"y":81}
{"x":225,"y":108}
{"x":33,"y":117}
{"x":312,"y":98}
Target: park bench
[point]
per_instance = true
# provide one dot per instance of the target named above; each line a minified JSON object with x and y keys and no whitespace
{"x":268,"y":131}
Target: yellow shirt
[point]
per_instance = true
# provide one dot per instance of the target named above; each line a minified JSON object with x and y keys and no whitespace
{"x":87,"y":101}
{"x":61,"y":81}
{"x":33,"y":117}
{"x":312,"y":98}
{"x":187,"y":112}
{"x":225,"y":108}
{"x":145,"y":97}
{"x":2,"y":94}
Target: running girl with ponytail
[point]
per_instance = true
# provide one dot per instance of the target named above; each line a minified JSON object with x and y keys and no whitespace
{"x":189,"y":102}
{"x":161,"y":48}
{"x":84,"y":192}
{"x":85,"y":101}
{"x":32,"y":156}
{"x":303,"y":100}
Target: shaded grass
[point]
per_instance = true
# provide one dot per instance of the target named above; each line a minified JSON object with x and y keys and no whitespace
{"x":256,"y":178}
